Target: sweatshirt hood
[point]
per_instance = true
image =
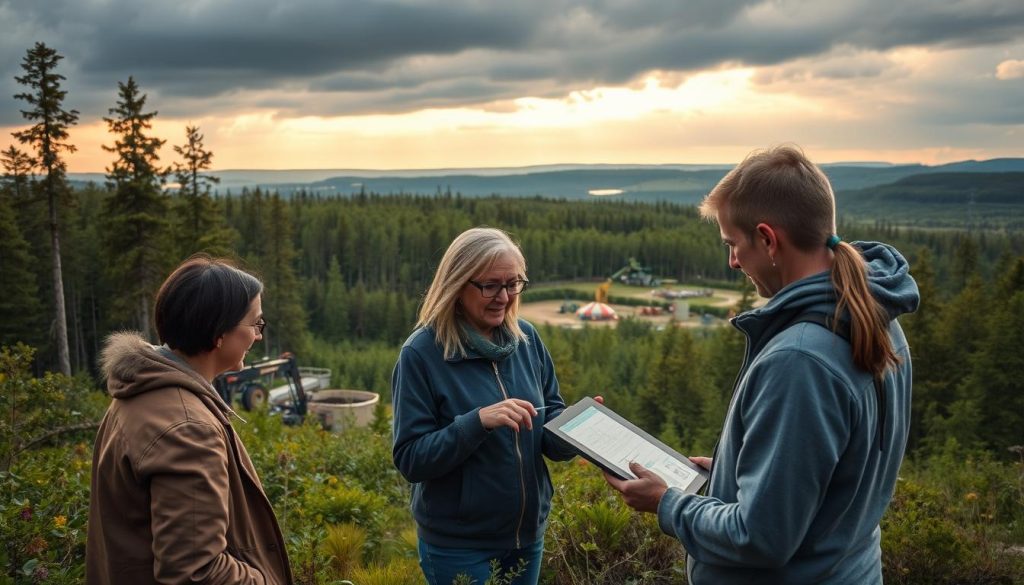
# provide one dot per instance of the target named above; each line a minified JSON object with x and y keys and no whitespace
{"x":889,"y":280}
{"x":133,"y":366}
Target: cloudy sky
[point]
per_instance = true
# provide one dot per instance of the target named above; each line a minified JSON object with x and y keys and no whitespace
{"x":471,"y":83}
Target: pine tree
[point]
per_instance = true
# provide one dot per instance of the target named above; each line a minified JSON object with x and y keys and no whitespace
{"x":677,"y":387}
{"x":200,"y":227}
{"x":965,"y":261}
{"x":932,"y":356}
{"x":18,"y":167}
{"x":282,"y":299}
{"x":994,"y":384}
{"x":336,"y":325}
{"x":48,"y":136}
{"x":19,"y":295}
{"x":137,"y":228}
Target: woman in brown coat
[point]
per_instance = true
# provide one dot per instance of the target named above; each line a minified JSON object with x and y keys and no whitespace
{"x":175,"y":497}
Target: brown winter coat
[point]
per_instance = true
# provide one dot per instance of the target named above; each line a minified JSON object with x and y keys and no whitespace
{"x":175,"y":497}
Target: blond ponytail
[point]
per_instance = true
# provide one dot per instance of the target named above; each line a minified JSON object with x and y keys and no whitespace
{"x":869,"y":323}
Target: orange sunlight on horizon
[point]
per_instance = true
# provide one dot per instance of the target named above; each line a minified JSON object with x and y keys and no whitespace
{"x":707,"y":118}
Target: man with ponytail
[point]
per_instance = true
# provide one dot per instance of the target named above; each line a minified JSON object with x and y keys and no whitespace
{"x":815,"y":432}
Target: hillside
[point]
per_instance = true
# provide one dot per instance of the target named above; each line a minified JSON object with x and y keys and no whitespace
{"x":943,"y":199}
{"x":676,"y":183}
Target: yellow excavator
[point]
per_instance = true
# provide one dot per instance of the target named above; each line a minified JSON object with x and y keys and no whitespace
{"x":633,"y":273}
{"x":601,"y":294}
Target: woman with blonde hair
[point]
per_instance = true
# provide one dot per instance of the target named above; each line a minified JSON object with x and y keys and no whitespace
{"x":471,"y":391}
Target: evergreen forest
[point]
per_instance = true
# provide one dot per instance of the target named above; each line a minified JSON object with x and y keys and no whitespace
{"x":344,"y":276}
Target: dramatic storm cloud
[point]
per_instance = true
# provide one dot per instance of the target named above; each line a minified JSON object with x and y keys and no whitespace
{"x":199,"y":59}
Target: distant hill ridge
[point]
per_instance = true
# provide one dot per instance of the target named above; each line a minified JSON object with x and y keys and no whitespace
{"x":677,"y":183}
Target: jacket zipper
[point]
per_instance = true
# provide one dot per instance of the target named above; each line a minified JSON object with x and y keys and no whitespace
{"x":519,"y":456}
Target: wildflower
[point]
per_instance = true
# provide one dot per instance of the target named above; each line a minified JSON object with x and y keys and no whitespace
{"x":40,"y":574}
{"x":37,"y":545}
{"x":971,"y":496}
{"x":26,"y":513}
{"x":332,"y":480}
{"x":60,"y":521}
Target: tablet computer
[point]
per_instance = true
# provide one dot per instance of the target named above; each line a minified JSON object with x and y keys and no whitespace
{"x":611,"y":442}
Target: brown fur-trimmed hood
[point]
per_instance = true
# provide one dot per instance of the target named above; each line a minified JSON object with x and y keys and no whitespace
{"x":133,"y":366}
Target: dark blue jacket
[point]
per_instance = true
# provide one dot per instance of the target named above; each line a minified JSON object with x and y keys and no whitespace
{"x":474,"y":488}
{"x":800,"y":477}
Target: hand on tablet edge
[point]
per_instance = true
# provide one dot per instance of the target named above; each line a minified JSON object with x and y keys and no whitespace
{"x":643,"y":493}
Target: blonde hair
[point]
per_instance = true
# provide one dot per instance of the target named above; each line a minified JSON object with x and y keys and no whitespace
{"x":472,"y":253}
{"x":781,"y":187}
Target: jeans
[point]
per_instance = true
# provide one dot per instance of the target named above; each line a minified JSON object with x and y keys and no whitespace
{"x":441,"y":564}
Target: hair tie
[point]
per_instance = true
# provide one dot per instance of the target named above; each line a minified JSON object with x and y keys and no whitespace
{"x":832,"y":242}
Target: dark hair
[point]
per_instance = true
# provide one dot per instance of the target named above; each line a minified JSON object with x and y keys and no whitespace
{"x":782,"y":187}
{"x":200,"y":301}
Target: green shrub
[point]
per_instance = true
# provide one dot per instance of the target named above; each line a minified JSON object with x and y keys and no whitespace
{"x":344,"y":545}
{"x":340,"y":503}
{"x":45,"y":490}
{"x":593,"y":538}
{"x":925,"y":540}
{"x":396,"y":572}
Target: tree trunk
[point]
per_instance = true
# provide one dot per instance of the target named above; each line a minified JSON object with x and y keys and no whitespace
{"x":144,"y":319}
{"x":61,"y":329}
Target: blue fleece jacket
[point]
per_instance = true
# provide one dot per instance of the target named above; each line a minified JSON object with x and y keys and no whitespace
{"x":799,"y":483}
{"x":474,"y":488}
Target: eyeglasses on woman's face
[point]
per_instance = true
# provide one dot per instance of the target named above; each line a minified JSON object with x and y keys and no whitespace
{"x":259,"y":325}
{"x":490,"y":290}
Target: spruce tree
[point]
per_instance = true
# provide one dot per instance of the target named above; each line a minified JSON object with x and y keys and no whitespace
{"x":137,"y":227}
{"x":282,"y":301}
{"x":48,"y":135}
{"x":19,"y":295}
{"x":18,"y":168}
{"x":199,"y":225}
{"x":933,"y":355}
{"x":335,"y":310}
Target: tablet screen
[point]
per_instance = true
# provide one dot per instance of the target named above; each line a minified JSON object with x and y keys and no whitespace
{"x":618,"y":445}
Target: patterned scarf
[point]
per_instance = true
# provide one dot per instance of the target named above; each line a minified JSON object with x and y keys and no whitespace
{"x":503,"y":345}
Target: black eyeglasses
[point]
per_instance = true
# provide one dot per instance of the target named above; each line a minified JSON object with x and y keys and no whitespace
{"x":260,"y":325}
{"x":490,"y":290}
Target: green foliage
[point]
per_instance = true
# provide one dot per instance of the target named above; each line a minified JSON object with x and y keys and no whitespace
{"x":44,"y":491}
{"x":18,"y":167}
{"x":338,"y":503}
{"x":199,"y":225}
{"x":365,"y":366}
{"x":341,"y":502}
{"x":396,"y":572}
{"x":949,"y":199}
{"x":950,"y":520}
{"x":282,"y":306}
{"x":593,"y":538}
{"x":136,"y":228}
{"x":344,"y":544}
{"x":46,"y":109}
{"x":43,"y":516}
{"x":36,"y":410}
{"x":498,"y":575}
{"x":19,"y":294}
{"x":48,"y":135}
